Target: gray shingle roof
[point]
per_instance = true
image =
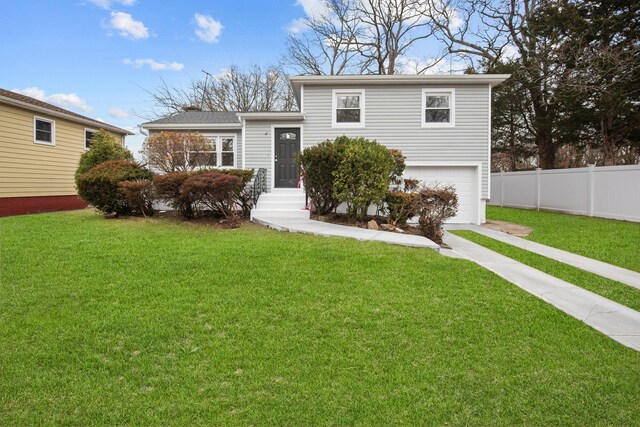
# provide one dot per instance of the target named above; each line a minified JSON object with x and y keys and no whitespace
{"x":198,"y":118}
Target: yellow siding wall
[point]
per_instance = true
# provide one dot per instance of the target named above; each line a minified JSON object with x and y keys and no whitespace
{"x":29,"y":169}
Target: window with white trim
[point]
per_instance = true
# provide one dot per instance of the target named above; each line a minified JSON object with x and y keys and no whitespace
{"x":88,"y":136}
{"x":222,"y":153}
{"x":44,"y":131}
{"x":438,"y":107}
{"x":348,"y":108}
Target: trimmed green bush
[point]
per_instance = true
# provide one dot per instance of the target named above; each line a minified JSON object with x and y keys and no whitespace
{"x":104,"y":146}
{"x":318,"y":164}
{"x":363,"y":174}
{"x":100,"y":185}
{"x":400,"y":206}
{"x":398,"y":166}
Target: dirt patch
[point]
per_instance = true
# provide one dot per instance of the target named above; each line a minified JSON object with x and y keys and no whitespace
{"x":509,"y":228}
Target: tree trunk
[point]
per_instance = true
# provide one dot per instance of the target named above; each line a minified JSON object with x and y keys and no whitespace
{"x":546,"y":151}
{"x":608,"y":144}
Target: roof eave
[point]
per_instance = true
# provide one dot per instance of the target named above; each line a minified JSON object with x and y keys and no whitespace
{"x":194,"y":126}
{"x":283,"y":115}
{"x":61,"y":115}
{"x":492,"y":79}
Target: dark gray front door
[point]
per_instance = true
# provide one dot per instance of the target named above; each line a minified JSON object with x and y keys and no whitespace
{"x":287,"y":145}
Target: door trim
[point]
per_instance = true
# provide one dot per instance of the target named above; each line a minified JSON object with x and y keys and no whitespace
{"x":273,"y":144}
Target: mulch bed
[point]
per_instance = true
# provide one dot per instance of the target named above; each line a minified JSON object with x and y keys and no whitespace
{"x":343,"y":219}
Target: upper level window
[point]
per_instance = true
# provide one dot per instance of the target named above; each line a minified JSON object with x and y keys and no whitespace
{"x":348,"y":108}
{"x":88,"y":136}
{"x":44,"y":131}
{"x":438,"y":107}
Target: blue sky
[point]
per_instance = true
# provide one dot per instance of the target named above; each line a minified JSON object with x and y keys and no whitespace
{"x":97,"y":57}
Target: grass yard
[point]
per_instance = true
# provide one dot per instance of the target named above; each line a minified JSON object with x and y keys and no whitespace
{"x":146,"y":322}
{"x":616,"y":291}
{"x":608,"y":240}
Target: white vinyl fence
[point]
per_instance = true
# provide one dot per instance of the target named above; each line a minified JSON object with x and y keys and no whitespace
{"x":607,"y":191}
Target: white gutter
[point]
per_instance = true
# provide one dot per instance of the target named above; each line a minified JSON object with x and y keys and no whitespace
{"x":70,"y":117}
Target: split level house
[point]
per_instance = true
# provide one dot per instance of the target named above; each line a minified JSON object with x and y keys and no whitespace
{"x":40,"y":146}
{"x":441,"y":123}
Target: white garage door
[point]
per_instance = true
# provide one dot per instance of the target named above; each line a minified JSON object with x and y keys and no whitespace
{"x":465,"y":180}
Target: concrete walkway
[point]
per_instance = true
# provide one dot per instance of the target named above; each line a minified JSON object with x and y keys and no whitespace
{"x":600,"y":268}
{"x":612,"y":319}
{"x":319,"y":228}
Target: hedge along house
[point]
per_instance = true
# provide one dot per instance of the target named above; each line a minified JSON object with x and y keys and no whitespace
{"x":40,"y":146}
{"x":441,"y":123}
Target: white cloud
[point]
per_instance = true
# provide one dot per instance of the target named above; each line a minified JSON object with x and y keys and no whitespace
{"x":106,"y":4}
{"x":430,"y":66}
{"x":153,"y":64}
{"x":510,"y":52}
{"x":455,"y":21}
{"x":99,"y":119}
{"x":297,"y":26}
{"x":127,"y":26}
{"x":208,"y":28}
{"x":70,"y":101}
{"x":119,"y":113}
{"x":313,"y":8}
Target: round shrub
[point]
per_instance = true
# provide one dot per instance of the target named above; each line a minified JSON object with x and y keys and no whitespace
{"x":318,"y":164}
{"x":363,"y":174}
{"x":167,"y":188}
{"x":214,"y":191}
{"x":400,"y":207}
{"x":139,"y":196}
{"x":104,"y":146}
{"x":100,"y":187}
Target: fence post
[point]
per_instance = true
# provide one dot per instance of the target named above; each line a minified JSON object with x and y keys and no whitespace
{"x":501,"y":188}
{"x":590,"y":189}
{"x":538,"y":188}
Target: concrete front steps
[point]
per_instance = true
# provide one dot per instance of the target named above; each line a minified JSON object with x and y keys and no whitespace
{"x":281,"y":203}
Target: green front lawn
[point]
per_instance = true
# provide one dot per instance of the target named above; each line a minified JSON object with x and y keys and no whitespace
{"x":608,"y":240}
{"x":144,"y":322}
{"x":616,"y":291}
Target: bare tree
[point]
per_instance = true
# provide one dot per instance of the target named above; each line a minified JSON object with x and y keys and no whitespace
{"x":325,"y":43}
{"x":360,"y":36}
{"x":235,"y":89}
{"x":388,"y":29}
{"x":178,"y":151}
{"x":486,"y":31}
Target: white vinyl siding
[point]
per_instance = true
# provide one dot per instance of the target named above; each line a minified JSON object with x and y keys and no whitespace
{"x":394,"y":118}
{"x":259,"y":144}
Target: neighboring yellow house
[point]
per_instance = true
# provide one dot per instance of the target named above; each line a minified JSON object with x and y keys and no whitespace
{"x":40,"y":146}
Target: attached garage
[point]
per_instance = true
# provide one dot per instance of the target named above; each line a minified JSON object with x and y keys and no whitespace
{"x":464,"y":178}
